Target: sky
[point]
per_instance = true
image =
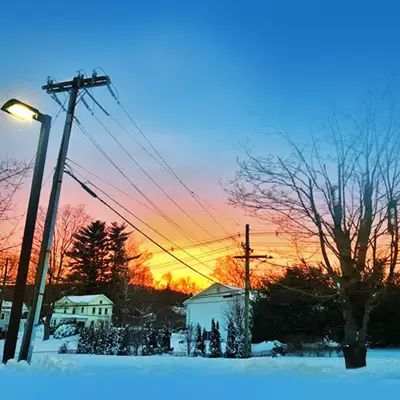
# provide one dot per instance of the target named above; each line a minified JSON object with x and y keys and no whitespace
{"x":200,"y":78}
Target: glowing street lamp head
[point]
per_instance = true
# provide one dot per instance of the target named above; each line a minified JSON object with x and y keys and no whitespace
{"x":20,"y":110}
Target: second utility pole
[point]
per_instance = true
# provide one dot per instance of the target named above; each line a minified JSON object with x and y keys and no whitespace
{"x":73,"y":87}
{"x":247,"y":287}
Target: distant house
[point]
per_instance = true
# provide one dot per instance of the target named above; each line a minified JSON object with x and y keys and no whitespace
{"x":86,"y":311}
{"x":5,"y":316}
{"x":213,"y":303}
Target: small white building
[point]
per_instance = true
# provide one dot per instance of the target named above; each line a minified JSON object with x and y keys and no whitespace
{"x":5,"y":316}
{"x":213,"y":303}
{"x":86,"y":311}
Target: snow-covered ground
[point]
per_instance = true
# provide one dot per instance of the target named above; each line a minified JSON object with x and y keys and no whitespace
{"x":168,"y":377}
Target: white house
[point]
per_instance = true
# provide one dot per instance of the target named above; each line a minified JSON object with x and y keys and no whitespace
{"x":86,"y":311}
{"x":5,"y":316}
{"x":213,"y":303}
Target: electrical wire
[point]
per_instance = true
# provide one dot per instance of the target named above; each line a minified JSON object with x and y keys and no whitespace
{"x":143,"y":222}
{"x":164,"y":163}
{"x":147,"y":174}
{"x":180,"y":229}
{"x":93,"y":194}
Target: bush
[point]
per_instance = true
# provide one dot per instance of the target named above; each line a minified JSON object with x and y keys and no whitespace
{"x":279,"y":350}
{"x":63,"y":349}
{"x":64,"y":331}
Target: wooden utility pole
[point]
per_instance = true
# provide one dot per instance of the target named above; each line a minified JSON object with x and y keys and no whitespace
{"x":247,"y":287}
{"x":3,"y":286}
{"x":72,"y":87}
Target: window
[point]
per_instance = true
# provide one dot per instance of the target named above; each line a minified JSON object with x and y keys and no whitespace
{"x":106,"y":311}
{"x":83,"y":310}
{"x":100,"y":311}
{"x":54,"y":322}
{"x":101,"y":301}
{"x":2,"y":316}
{"x":73,"y":311}
{"x":65,"y":310}
{"x":92,"y":323}
{"x":94,"y":310}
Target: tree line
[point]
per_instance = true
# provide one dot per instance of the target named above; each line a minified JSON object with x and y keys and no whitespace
{"x":302,"y":307}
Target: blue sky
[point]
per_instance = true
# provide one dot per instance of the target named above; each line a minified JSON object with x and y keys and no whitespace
{"x":194,"y":74}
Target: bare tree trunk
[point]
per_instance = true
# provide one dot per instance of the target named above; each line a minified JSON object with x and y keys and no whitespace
{"x":354,"y":350}
{"x":47,"y":324}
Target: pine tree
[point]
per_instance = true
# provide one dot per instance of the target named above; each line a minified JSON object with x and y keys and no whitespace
{"x":89,"y":257}
{"x":113,"y":340}
{"x":200,"y":345}
{"x":215,"y":340}
{"x":118,"y":256}
{"x":165,"y":340}
{"x":204,"y":343}
{"x":231,"y":348}
{"x":150,"y":346}
{"x":125,"y":341}
{"x":119,"y":269}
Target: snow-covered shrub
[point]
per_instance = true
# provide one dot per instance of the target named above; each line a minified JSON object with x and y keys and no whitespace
{"x":278,"y":350}
{"x":100,"y":341}
{"x":63,"y":348}
{"x":64,"y":331}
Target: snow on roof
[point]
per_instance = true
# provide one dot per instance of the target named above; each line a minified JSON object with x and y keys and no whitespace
{"x":83,"y":299}
{"x":69,"y":316}
{"x":215,"y":295}
{"x":6,"y":305}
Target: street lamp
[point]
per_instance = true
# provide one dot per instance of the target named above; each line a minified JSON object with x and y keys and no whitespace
{"x":25,"y":112}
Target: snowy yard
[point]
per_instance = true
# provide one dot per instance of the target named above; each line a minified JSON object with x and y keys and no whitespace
{"x":167,"y":377}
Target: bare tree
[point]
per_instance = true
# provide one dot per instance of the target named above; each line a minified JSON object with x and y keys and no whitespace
{"x":231,"y":271}
{"x":139,"y":270}
{"x":12,"y":176}
{"x":188,"y":337}
{"x":8,"y":267}
{"x":69,"y":220}
{"x":340,"y":195}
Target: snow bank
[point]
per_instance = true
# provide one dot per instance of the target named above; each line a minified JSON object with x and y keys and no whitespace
{"x":104,"y":377}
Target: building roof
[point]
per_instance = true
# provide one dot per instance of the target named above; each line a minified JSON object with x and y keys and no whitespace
{"x":86,"y":299}
{"x":70,"y":316}
{"x":6,"y":305}
{"x":228,"y":290}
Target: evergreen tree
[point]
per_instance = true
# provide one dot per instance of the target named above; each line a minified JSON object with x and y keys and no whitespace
{"x":118,"y":257}
{"x":113,"y":341}
{"x":231,"y":345}
{"x":89,"y":257}
{"x":165,"y":340}
{"x":215,"y":340}
{"x":150,"y":346}
{"x":204,"y":343}
{"x":86,"y":341}
{"x":200,"y":345}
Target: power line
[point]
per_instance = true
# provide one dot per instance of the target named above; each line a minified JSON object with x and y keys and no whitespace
{"x":146,"y":173}
{"x":93,"y":194}
{"x":164,"y":163}
{"x":181,"y":230}
{"x":143,"y":222}
{"x":206,"y":254}
{"x":197,"y":244}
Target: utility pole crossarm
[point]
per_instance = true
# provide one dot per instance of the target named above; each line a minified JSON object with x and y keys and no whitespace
{"x":77,"y":83}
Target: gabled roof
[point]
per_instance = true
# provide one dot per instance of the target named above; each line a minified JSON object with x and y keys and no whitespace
{"x":228,"y":290}
{"x":86,"y":299}
{"x":6,"y":305}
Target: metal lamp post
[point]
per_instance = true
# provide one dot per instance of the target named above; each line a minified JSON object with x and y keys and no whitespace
{"x":25,"y":112}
